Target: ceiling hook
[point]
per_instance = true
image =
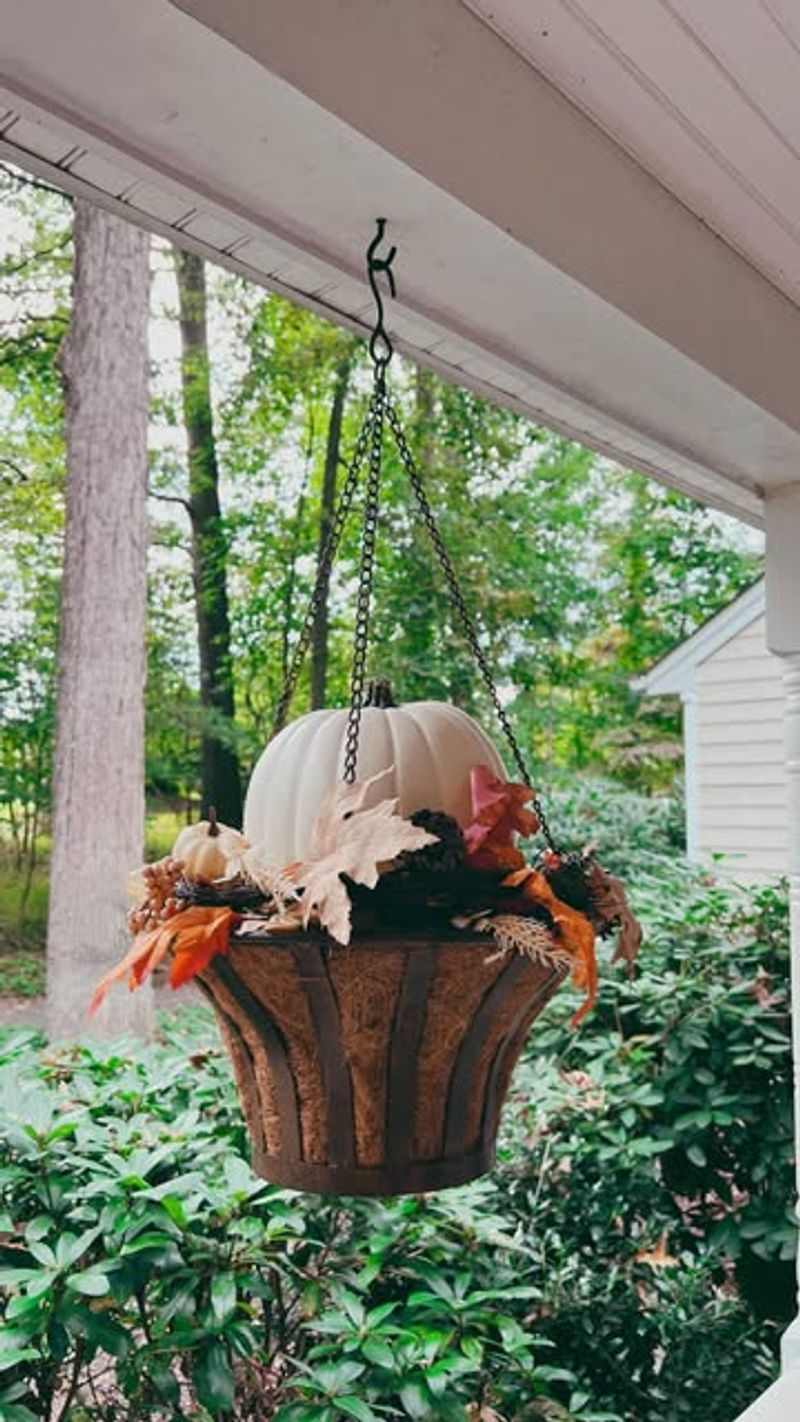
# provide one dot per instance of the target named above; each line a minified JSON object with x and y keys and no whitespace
{"x":380,"y":347}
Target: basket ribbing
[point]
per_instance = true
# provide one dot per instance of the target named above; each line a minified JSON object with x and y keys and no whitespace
{"x":379,"y":1068}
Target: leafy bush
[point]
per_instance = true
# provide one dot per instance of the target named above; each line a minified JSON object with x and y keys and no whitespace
{"x":630,"y":1247}
{"x":150,"y":1271}
{"x":656,"y":1149}
{"x":631,"y":832}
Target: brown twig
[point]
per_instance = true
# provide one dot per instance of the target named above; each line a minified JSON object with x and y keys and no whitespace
{"x":169,"y":499}
{"x":72,"y":1386}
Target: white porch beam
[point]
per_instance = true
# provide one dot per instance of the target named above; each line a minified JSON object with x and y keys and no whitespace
{"x":783,"y":638}
{"x":441,"y":91}
{"x":540,"y":264}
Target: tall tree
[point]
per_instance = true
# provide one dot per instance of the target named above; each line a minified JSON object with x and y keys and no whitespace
{"x":98,"y":803}
{"x":220,"y":773}
{"x":333,"y":448}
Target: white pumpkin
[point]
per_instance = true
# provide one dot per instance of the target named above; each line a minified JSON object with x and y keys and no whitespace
{"x":209,"y":850}
{"x":432,"y":747}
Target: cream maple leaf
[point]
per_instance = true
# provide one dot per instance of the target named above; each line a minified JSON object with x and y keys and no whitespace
{"x":349,"y":838}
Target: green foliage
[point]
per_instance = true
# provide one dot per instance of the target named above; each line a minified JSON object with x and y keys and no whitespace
{"x":34,"y":272}
{"x":23,"y":900}
{"x":634,"y":1243}
{"x":669,"y":1119}
{"x":579,"y":575}
{"x":632,"y":833}
{"x":21,"y":974}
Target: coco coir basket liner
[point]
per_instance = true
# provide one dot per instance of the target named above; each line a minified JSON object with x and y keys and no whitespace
{"x":379,"y":1068}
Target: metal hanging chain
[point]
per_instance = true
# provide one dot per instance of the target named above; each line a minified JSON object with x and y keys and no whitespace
{"x":381,"y":350}
{"x":381,"y":410}
{"x":378,"y":406}
{"x":464,"y":614}
{"x":326,"y":559}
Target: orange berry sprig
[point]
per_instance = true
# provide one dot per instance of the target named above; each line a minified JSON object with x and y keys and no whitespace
{"x":161,"y":903}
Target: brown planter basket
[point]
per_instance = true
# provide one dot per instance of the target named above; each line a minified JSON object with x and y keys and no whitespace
{"x":380,"y":1068}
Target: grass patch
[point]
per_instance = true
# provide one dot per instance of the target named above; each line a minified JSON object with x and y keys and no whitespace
{"x":162,"y":828}
{"x":21,"y":974}
{"x":23,"y":925}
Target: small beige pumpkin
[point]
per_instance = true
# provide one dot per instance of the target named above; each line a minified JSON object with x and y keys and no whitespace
{"x":210,"y":850}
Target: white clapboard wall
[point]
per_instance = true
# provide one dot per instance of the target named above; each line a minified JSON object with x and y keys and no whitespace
{"x":733,"y":702}
{"x":739,"y":756}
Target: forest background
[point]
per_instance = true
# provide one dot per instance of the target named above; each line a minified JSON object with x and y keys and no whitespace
{"x":639,"y":1234}
{"x":583,"y":574}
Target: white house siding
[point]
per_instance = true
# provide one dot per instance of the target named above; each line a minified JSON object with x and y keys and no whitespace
{"x":740,"y":770}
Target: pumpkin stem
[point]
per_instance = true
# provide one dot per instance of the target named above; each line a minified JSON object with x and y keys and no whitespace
{"x":379,"y":693}
{"x":213,"y":826}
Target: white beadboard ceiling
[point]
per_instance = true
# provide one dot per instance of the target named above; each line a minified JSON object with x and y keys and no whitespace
{"x":704,"y":94}
{"x":556,"y":254}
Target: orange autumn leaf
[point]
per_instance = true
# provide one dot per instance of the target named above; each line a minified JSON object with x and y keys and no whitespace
{"x":575,"y":931}
{"x":199,"y":941}
{"x":145,"y":953}
{"x":194,"y":936}
{"x":498,"y":810}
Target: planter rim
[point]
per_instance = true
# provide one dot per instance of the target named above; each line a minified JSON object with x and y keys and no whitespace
{"x":414,"y":938}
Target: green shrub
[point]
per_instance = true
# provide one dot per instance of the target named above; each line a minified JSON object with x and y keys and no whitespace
{"x":631,"y":832}
{"x":150,"y":1272}
{"x":668,"y":1122}
{"x":631,"y":1249}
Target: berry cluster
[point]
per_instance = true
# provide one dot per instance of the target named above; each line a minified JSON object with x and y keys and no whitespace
{"x":161,"y":903}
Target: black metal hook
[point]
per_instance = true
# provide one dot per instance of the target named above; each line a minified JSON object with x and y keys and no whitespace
{"x":380,"y":347}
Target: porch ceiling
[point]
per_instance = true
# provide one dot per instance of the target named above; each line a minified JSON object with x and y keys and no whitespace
{"x":560,"y":259}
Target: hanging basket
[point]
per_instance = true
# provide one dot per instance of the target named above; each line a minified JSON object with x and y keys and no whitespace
{"x":379,"y":1065}
{"x":380,"y":1068}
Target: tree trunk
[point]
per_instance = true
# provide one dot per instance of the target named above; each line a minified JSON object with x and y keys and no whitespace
{"x":220,"y":773}
{"x":321,"y":624}
{"x":98,"y":792}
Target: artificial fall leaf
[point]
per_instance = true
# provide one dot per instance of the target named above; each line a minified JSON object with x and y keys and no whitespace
{"x":288,"y":922}
{"x":145,"y":953}
{"x":344,"y":800}
{"x":193,"y":937}
{"x":611,"y":907}
{"x":657,"y":1258}
{"x":529,"y":937}
{"x":515,"y":933}
{"x":349,"y":839}
{"x":203,"y":933}
{"x":498,"y":811}
{"x":258,"y":868}
{"x":575,"y":932}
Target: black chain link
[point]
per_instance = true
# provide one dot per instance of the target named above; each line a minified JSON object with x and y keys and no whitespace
{"x":378,"y":405}
{"x":465,"y":616}
{"x":327,"y":556}
{"x":381,"y":409}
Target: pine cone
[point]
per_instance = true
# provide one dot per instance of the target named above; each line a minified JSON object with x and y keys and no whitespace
{"x":448,"y":853}
{"x":567,"y":876}
{"x":233,"y":894}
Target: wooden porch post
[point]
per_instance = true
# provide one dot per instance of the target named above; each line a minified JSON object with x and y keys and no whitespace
{"x":783,"y":636}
